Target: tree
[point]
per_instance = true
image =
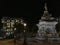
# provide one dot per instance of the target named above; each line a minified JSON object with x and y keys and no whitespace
{"x":58,"y":28}
{"x":17,"y":33}
{"x":19,"y":27}
{"x":2,"y":33}
{"x":34,"y":30}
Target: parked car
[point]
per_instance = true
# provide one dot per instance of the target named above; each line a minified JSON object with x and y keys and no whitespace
{"x":9,"y":35}
{"x":2,"y":37}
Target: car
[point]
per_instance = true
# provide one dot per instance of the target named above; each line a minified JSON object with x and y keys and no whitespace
{"x":2,"y":37}
{"x":9,"y":36}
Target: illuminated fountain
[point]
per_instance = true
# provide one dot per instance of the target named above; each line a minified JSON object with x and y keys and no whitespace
{"x":46,"y":27}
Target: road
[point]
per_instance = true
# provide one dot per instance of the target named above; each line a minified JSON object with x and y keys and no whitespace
{"x":6,"y":42}
{"x":32,"y":43}
{"x":10,"y":42}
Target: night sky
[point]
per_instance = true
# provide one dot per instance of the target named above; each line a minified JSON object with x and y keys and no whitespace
{"x":30,"y":10}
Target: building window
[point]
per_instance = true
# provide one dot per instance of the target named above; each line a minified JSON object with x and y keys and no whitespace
{"x":8,"y":33}
{"x":17,"y":20}
{"x":12,"y":23}
{"x":11,"y":29}
{"x":3,"y":21}
{"x":8,"y":20}
{"x":8,"y":24}
{"x":8,"y":30}
{"x":4,"y":27}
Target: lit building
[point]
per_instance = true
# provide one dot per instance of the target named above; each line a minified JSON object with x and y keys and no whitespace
{"x":8,"y":24}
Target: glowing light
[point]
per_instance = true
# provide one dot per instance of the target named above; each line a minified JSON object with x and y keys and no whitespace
{"x":25,"y":24}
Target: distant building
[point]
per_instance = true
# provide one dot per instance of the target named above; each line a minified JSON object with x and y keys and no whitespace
{"x":8,"y":24}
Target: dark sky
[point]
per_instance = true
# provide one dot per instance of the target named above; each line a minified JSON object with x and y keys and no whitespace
{"x":30,"y":10}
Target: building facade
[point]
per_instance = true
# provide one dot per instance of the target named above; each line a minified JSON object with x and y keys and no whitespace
{"x":8,"y":24}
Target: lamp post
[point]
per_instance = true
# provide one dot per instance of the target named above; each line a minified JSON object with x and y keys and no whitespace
{"x":25,"y":27}
{"x":14,"y":36}
{"x":25,"y":43}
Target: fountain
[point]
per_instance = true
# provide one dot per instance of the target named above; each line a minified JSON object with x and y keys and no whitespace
{"x":46,"y":27}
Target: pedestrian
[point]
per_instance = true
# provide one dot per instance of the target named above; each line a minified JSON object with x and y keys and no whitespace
{"x":14,"y":40}
{"x":25,"y":39}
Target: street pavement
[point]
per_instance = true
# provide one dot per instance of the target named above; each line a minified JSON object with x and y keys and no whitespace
{"x":10,"y":42}
{"x":6,"y":42}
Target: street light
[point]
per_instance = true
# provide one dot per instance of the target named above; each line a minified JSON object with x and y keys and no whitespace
{"x":25,"y":26}
{"x":25,"y":43}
